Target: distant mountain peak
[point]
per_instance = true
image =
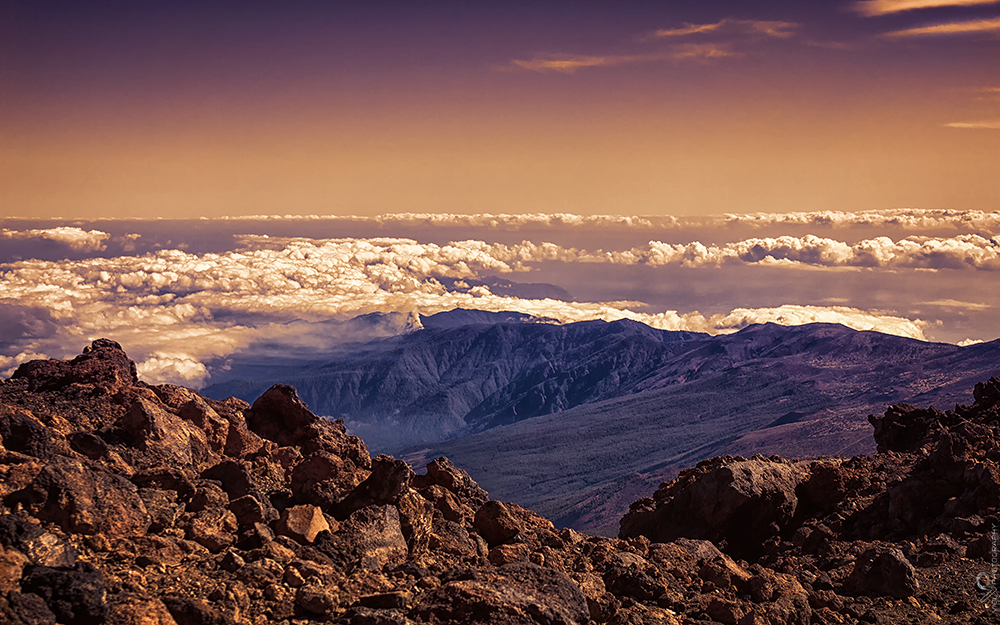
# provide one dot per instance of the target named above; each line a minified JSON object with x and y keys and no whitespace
{"x":458,"y":317}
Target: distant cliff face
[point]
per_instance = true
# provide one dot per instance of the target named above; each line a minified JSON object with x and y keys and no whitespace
{"x":470,"y":371}
{"x":578,"y":420}
{"x":129,"y":504}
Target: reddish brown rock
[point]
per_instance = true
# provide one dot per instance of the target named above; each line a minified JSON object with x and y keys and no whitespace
{"x":22,"y":432}
{"x":416,"y":518}
{"x":444,"y":473}
{"x":76,"y":597}
{"x":495,"y":523}
{"x":883,"y":570}
{"x":163,"y":437}
{"x":214,"y":529}
{"x":740,"y":502}
{"x":12,"y":564}
{"x":450,"y":538}
{"x":240,"y":441}
{"x":513,"y":593}
{"x":196,"y":611}
{"x":373,"y":537}
{"x":324,"y":479}
{"x":49,"y":550}
{"x":84,"y":501}
{"x":302,"y":523}
{"x":235,"y":476}
{"x":198,"y":412}
{"x":138,"y":610}
{"x":102,"y":365}
{"x":389,"y":478}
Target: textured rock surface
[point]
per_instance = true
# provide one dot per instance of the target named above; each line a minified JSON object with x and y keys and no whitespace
{"x":135,"y":505}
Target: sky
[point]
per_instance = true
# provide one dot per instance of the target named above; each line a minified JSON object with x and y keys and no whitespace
{"x":217,"y":180}
{"x":207,"y":109}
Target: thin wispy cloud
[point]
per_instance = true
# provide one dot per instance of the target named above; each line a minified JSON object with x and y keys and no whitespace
{"x":872,"y":8}
{"x":982,"y":125}
{"x":570,"y":64}
{"x":968,"y":27}
{"x":694,"y":51}
{"x":770,"y":28}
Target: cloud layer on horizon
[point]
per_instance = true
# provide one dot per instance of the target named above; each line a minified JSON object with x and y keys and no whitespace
{"x":178,"y":312}
{"x":904,"y":218}
{"x":76,"y":239}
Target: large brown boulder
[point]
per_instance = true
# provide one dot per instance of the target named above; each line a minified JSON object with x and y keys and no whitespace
{"x":370,"y":539}
{"x":302,"y":523}
{"x":85,"y":501}
{"x":738,"y":503}
{"x":22,"y":432}
{"x":76,"y":597}
{"x":513,"y":594}
{"x":905,"y":428}
{"x":495,"y":523}
{"x":103,"y":365}
{"x":164,"y":438}
{"x":280,"y":416}
{"x":443,"y":472}
{"x":883,"y":570}
{"x":325,"y":479}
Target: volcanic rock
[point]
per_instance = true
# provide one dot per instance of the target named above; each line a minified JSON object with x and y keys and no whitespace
{"x":76,"y":597}
{"x":127,"y":504}
{"x":302,"y":523}
{"x":513,"y":593}
{"x":495,"y":523}
{"x":883,"y":571}
{"x":85,"y":501}
{"x":736,"y":501}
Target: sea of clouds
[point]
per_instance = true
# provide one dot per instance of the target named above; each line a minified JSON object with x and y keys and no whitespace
{"x":182,"y":298}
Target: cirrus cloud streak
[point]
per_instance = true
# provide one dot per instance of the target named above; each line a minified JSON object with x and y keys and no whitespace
{"x":872,"y":8}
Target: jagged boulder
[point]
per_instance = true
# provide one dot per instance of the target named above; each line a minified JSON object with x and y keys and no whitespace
{"x":442,"y":472}
{"x":883,"y":570}
{"x":85,"y":501}
{"x":76,"y":597}
{"x":302,"y":523}
{"x":22,"y":432}
{"x":511,"y":594}
{"x":103,"y":365}
{"x":495,"y":523}
{"x":741,"y":503}
{"x":905,"y":427}
{"x":164,"y":438}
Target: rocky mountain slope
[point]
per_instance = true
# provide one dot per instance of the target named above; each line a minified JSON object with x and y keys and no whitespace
{"x":129,"y":504}
{"x":471,"y":371}
{"x":576,"y":421}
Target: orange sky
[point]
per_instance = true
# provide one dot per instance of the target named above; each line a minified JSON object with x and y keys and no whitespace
{"x":637,"y":108}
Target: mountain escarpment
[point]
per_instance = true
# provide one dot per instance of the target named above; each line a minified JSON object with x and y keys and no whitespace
{"x":126,"y":503}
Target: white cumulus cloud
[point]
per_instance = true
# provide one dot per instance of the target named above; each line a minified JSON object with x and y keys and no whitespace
{"x":177,"y":312}
{"x":76,"y":239}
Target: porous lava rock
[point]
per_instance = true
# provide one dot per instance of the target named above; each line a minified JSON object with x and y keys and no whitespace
{"x":130,"y":504}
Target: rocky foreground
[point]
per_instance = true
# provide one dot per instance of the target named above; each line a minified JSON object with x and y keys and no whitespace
{"x":126,"y":503}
